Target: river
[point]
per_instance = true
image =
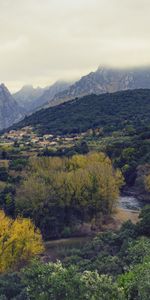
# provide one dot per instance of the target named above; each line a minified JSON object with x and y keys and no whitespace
{"x":130,"y":203}
{"x":55,"y":249}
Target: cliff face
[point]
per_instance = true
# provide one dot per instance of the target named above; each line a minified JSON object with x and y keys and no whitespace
{"x":49,"y":94}
{"x":105,"y":80}
{"x":10,"y":111}
{"x":27,"y":95}
{"x":32,"y":99}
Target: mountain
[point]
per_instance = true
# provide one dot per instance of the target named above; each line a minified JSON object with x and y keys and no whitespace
{"x":27,"y":95}
{"x":105,"y":80}
{"x":10,"y":111}
{"x":32,"y":99}
{"x":49,"y":94}
{"x":112,"y":112}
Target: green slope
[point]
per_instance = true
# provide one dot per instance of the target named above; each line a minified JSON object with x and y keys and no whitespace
{"x":110,"y":111}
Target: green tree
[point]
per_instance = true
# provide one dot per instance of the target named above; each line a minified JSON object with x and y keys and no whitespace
{"x":143,"y":226}
{"x":55,"y":282}
{"x":136,"y":283}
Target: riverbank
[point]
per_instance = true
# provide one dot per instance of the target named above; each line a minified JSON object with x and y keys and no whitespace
{"x":122,"y":216}
{"x":57,"y":249}
{"x":128,"y":209}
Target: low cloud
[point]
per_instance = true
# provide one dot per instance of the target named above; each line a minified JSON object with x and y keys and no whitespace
{"x":42,"y":41}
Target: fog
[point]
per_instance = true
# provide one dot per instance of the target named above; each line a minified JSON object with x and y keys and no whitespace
{"x":42,"y":41}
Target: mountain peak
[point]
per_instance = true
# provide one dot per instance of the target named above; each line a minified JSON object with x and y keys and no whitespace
{"x":105,"y":80}
{"x":27,"y":87}
{"x":3,"y":87}
{"x":10,"y":112}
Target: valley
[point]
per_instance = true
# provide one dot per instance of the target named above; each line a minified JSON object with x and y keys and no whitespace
{"x":75,"y":194}
{"x":75,"y":150}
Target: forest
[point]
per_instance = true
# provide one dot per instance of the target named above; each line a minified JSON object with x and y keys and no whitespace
{"x":108,"y":111}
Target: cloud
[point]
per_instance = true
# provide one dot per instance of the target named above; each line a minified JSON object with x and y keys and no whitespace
{"x":42,"y":41}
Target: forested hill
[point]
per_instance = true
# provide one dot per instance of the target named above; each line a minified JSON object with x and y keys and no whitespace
{"x":110,"y":111}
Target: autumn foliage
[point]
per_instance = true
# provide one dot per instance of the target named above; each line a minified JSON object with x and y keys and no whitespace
{"x":19,"y":242}
{"x":59,"y":191}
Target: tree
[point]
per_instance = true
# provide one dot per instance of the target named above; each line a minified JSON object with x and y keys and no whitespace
{"x":11,"y":286}
{"x":19,"y":242}
{"x":137,"y":251}
{"x":9,"y":205}
{"x":82,"y":187}
{"x":147,"y":183}
{"x":136,"y":282}
{"x":143,"y":226}
{"x":55,"y":282}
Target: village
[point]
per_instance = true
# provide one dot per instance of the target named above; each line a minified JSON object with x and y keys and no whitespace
{"x":28,"y":138}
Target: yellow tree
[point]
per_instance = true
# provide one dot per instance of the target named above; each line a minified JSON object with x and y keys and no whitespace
{"x":147,"y":183}
{"x":83,"y":186}
{"x":19,"y":242}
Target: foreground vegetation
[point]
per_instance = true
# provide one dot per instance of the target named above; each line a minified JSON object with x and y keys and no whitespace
{"x":112,"y":266}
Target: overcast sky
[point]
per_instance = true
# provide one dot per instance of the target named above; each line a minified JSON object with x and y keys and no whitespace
{"x":45,"y":40}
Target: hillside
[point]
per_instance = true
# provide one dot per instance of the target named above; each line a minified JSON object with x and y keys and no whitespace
{"x":108,"y":111}
{"x":10,"y":111}
{"x":105,"y":80}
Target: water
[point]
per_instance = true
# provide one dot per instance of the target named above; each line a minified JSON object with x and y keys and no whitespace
{"x":130,"y":203}
{"x":58,"y":249}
